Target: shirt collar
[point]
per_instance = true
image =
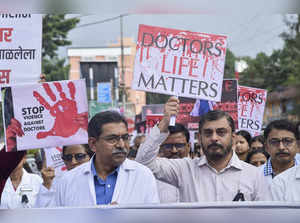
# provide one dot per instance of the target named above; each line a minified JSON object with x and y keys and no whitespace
{"x":234,"y":162}
{"x":94,"y":172}
{"x":298,"y":172}
{"x":268,"y":169}
{"x":126,"y":165}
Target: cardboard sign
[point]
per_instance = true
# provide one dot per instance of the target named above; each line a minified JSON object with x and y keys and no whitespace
{"x":183,"y":117}
{"x":20,"y":48}
{"x":229,"y":99}
{"x":151,"y":120}
{"x":251,"y":106}
{"x":228,"y":102}
{"x":53,"y":159}
{"x":45,"y":115}
{"x":178,"y":62}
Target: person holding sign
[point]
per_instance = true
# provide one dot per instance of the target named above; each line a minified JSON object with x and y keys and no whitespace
{"x":108,"y":178}
{"x":73,"y":156}
{"x":280,"y":136}
{"x":219,"y":175}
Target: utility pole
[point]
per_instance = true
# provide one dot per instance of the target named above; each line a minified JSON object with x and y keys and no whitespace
{"x":122,"y":65}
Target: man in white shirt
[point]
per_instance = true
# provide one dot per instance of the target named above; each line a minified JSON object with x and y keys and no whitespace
{"x":21,"y":188}
{"x":108,"y":178}
{"x":176,"y":146}
{"x":280,"y":143}
{"x":219,"y":175}
{"x":286,"y":186}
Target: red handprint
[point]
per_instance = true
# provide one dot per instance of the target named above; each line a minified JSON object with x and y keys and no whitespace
{"x":67,"y":119}
{"x":13,"y":129}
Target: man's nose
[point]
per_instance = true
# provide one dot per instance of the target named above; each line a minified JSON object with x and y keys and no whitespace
{"x":174,"y":149}
{"x":73,"y":161}
{"x":121,"y":143}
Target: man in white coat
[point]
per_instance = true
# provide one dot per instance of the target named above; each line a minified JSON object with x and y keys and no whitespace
{"x":108,"y":178}
{"x":219,"y":175}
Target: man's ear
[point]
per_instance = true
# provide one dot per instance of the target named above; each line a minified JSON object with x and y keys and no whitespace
{"x":92,"y":143}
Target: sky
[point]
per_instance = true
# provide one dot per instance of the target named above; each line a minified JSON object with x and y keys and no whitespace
{"x":248,"y":34}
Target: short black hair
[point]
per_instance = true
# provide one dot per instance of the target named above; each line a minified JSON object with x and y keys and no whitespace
{"x":282,"y":124}
{"x":245,"y":134}
{"x":253,"y":152}
{"x":259,"y":138}
{"x":85,"y":146}
{"x":214,"y":116}
{"x":180,"y":128}
{"x":96,"y":123}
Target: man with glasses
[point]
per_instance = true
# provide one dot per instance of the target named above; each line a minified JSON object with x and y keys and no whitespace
{"x":280,"y":143}
{"x":218,"y":175}
{"x":176,"y":146}
{"x":108,"y":178}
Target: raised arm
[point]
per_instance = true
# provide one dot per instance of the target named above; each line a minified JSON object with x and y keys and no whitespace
{"x":162,"y":168}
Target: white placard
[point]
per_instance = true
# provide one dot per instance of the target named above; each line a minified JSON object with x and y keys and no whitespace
{"x":177,"y":62}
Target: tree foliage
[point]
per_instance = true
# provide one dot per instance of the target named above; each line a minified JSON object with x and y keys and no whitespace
{"x":55,"y":32}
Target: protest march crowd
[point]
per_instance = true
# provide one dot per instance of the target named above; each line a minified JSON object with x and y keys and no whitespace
{"x":103,"y":165}
{"x":159,"y":167}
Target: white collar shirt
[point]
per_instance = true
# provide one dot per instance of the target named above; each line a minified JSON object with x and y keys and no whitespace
{"x":197,"y":180}
{"x":286,"y":186}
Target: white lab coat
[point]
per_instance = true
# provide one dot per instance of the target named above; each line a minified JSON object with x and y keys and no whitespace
{"x":135,"y":185}
{"x":29,"y":186}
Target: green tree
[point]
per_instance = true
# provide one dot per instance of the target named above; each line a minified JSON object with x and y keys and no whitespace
{"x":55,"y":32}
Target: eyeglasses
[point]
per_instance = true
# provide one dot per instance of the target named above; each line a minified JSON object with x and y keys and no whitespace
{"x":114,"y":139}
{"x":220,"y":132}
{"x":285,"y":141}
{"x":78,"y":157}
{"x":170,"y":146}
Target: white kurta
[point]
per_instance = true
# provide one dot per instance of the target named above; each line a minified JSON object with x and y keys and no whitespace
{"x":29,"y":186}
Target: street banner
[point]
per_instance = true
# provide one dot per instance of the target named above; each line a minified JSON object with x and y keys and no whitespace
{"x":251,"y":106}
{"x":45,"y":115}
{"x":20,"y":48}
{"x":228,"y":101}
{"x":152,"y":120}
{"x":104,"y":92}
{"x":53,"y":159}
{"x":178,"y":62}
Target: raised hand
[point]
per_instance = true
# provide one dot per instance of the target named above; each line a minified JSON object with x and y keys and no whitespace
{"x":13,"y":129}
{"x":48,"y":175}
{"x":64,"y":110}
{"x":171,"y":108}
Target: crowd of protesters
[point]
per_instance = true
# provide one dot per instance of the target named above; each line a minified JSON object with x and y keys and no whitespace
{"x":227,"y":165}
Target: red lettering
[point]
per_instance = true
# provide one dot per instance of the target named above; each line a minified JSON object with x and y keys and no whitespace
{"x":193,"y":64}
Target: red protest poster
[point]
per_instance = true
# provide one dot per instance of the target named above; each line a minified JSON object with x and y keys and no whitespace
{"x":152,"y":120}
{"x":251,"y":107}
{"x":179,"y":62}
{"x":45,"y":115}
{"x":229,"y":99}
